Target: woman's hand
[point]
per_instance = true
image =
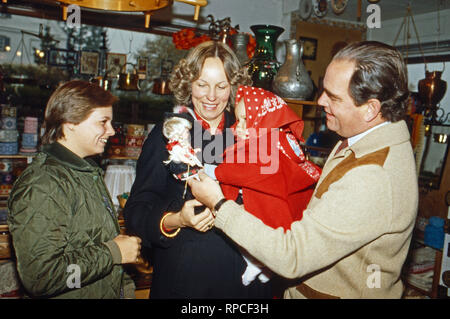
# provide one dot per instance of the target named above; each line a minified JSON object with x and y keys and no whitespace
{"x":206,"y":190}
{"x":186,"y":217}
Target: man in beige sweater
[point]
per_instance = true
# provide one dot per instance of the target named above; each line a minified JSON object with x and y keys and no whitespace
{"x":356,"y":231}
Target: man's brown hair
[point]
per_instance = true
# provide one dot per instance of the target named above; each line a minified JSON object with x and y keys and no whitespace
{"x":380,"y":73}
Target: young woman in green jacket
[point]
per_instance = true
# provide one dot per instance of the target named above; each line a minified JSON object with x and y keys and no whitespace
{"x":62,"y":221}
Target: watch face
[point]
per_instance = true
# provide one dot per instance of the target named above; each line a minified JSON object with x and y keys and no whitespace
{"x":305,"y":9}
{"x":338,"y":6}
{"x":320,"y":7}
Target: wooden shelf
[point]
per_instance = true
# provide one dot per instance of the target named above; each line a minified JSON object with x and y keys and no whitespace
{"x":300,"y":102}
{"x":297,"y":105}
{"x":17,"y":156}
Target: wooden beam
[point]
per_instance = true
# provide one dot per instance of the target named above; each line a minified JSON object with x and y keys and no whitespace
{"x":428,"y":59}
{"x":124,"y":21}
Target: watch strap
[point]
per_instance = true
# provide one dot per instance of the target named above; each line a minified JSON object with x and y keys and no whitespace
{"x":219,"y":204}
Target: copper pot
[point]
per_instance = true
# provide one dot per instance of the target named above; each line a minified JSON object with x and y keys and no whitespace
{"x":102,"y":81}
{"x":129,"y":81}
{"x":161,"y":85}
{"x":432,"y":89}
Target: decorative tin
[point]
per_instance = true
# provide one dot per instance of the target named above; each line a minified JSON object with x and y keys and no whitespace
{"x":135,"y":130}
{"x":9,"y":123}
{"x":134,"y":141}
{"x":9,"y":111}
{"x":9,"y":148}
{"x":9,"y":136}
{"x":29,"y":140}
{"x":133,"y":151}
{"x":28,"y":150}
{"x":30,"y":125}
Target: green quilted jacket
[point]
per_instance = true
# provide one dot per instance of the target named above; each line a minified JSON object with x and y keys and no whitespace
{"x":63,"y":223}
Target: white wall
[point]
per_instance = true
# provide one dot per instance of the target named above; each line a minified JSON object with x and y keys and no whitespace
{"x":427,"y":28}
{"x":11,"y":27}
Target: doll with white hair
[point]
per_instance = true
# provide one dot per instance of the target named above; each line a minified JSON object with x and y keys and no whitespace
{"x":182,"y":162}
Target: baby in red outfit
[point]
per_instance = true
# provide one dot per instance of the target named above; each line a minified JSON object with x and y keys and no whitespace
{"x":277,"y":193}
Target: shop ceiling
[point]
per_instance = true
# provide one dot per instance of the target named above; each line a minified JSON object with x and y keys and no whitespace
{"x":161,"y":19}
{"x":133,"y":21}
{"x":392,"y":9}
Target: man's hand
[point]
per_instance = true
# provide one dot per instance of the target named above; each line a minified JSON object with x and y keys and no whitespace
{"x":207,"y":191}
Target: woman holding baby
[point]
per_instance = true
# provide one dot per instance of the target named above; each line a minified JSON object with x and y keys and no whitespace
{"x":191,"y":259}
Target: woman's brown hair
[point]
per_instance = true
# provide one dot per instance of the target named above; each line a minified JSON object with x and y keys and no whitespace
{"x":188,"y":70}
{"x":72,"y":102}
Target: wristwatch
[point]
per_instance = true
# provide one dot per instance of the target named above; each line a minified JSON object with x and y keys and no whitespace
{"x":218,"y":205}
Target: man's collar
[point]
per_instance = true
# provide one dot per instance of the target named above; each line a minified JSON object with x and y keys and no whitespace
{"x":381,"y":136}
{"x":352,"y":140}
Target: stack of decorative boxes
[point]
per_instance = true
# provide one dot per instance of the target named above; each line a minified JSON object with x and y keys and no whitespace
{"x":8,"y":146}
{"x":134,"y":139}
{"x":30,"y":135}
{"x":8,"y":131}
{"x":117,"y":142}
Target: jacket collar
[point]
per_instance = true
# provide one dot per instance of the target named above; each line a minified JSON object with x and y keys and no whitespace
{"x":228,"y":118}
{"x":68,"y":158}
{"x":384,"y":136}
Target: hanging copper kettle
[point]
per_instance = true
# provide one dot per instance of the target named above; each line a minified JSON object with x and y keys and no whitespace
{"x":161,"y":85}
{"x":432,"y":89}
{"x":129,"y":81}
{"x":102,"y":81}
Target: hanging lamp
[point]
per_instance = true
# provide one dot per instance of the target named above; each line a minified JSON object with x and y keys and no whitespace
{"x":431,"y":89}
{"x":145,"y":6}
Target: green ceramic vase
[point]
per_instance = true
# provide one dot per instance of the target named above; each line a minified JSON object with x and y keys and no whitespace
{"x":264,"y":65}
